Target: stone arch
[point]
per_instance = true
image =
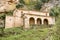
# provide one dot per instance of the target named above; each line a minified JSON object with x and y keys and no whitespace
{"x":39,"y":21}
{"x":46,"y":21}
{"x":31,"y":21}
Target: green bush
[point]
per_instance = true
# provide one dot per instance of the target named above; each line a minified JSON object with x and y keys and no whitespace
{"x":18,"y":34}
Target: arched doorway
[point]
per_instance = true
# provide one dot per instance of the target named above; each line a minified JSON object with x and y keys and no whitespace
{"x":45,"y":21}
{"x":31,"y":21}
{"x":39,"y":21}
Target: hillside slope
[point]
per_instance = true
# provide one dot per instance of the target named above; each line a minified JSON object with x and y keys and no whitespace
{"x":6,"y":5}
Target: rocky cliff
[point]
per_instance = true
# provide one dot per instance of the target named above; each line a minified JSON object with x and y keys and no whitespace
{"x":7,"y":5}
{"x":47,"y":6}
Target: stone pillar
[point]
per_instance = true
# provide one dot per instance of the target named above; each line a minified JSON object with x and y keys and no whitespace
{"x":35,"y":20}
{"x":42,"y":21}
{"x":26,"y":25}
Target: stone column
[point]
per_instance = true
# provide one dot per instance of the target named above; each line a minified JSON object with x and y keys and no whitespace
{"x":26,"y":23}
{"x":35,"y":20}
{"x":42,"y":21}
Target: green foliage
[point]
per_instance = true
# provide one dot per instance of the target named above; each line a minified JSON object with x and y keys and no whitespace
{"x":18,"y":34}
{"x":20,"y":4}
{"x":21,"y":1}
{"x":2,"y":16}
{"x":35,"y":5}
{"x":9,"y":13}
{"x":32,"y":5}
{"x":32,"y":2}
{"x":38,"y":5}
{"x":57,"y":32}
{"x":45,"y":1}
{"x":55,"y":11}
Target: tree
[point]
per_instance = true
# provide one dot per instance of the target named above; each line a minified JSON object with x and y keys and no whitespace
{"x":38,"y":5}
{"x":55,"y":11}
{"x":21,"y":1}
{"x":45,"y":1}
{"x":20,"y":4}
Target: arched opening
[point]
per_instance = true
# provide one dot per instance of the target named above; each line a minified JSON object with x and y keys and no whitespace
{"x":45,"y":21}
{"x":39,"y":22}
{"x":31,"y":21}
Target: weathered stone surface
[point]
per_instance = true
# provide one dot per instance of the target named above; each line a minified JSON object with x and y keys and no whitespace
{"x":17,"y":20}
{"x":7,"y":5}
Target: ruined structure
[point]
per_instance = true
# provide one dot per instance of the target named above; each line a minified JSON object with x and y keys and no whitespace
{"x":26,"y":18}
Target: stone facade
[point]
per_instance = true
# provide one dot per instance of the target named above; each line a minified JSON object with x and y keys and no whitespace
{"x":26,"y":18}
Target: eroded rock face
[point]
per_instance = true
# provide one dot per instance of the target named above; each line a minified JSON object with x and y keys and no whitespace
{"x":7,"y":5}
{"x":47,"y":6}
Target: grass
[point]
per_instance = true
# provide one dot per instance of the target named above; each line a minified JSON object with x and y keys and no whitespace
{"x":19,"y":34}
